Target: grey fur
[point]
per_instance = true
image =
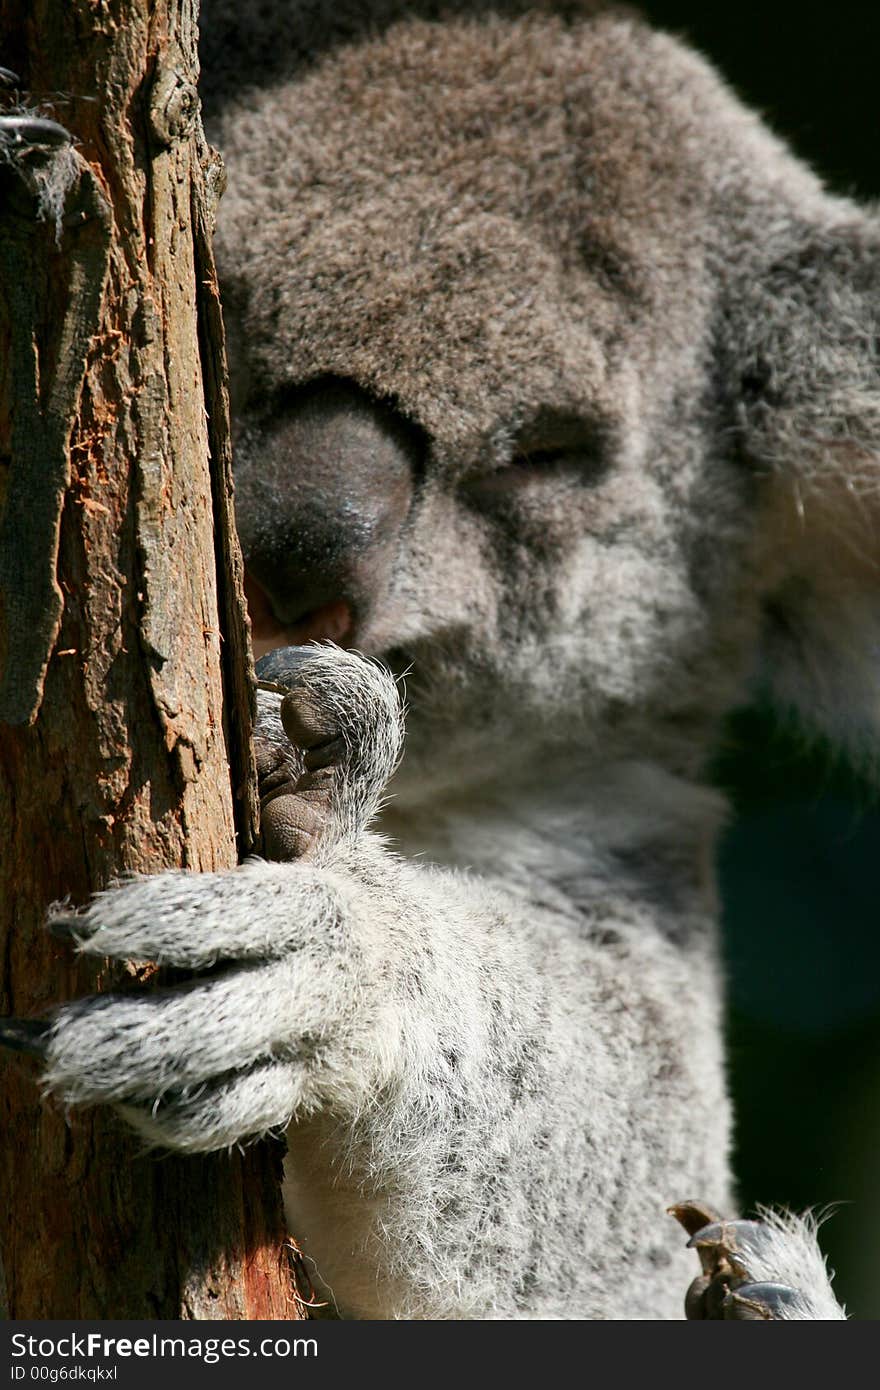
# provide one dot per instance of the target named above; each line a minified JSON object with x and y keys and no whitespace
{"x":501,"y":1070}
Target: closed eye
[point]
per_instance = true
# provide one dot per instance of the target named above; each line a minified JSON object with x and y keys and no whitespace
{"x":522,"y":470}
{"x":554,"y":449}
{"x":543,"y":458}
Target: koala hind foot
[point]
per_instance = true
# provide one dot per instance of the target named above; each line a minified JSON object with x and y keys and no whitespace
{"x":766,"y":1270}
{"x":329,"y":735}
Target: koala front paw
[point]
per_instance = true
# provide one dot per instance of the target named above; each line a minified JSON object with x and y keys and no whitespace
{"x":280,"y":1018}
{"x":328,"y":740}
{"x":279,"y":1021}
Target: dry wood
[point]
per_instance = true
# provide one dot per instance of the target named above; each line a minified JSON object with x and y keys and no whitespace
{"x":124,"y":676}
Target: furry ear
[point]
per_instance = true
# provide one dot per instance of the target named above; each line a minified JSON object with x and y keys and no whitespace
{"x":809,"y":416}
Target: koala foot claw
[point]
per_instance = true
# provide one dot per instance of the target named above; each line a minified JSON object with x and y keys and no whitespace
{"x":28,"y":1035}
{"x":735,"y":1257}
{"x":725,"y":1288}
{"x":760,"y":1302}
{"x":326,"y":751}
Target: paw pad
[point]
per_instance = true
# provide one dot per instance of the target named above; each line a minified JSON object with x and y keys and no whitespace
{"x":342,"y":720}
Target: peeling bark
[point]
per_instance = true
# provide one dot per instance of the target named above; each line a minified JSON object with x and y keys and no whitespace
{"x":125,"y":684}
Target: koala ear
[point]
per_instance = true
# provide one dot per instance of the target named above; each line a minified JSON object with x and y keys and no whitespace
{"x":808,"y":363}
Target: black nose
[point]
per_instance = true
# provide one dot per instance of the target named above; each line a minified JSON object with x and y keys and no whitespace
{"x":323,"y":487}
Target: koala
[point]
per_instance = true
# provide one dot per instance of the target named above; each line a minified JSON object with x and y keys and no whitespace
{"x":556,"y":394}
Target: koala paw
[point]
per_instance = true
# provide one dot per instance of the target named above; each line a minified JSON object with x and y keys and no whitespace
{"x":768,"y":1270}
{"x":279,"y":1018}
{"x":329,"y":735}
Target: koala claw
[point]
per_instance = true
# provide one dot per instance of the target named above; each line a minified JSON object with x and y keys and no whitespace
{"x":759,"y":1302}
{"x":325,"y":750}
{"x":715,"y":1294}
{"x":283,"y":667}
{"x":724,"y":1242}
{"x":736,"y":1259}
{"x":27,"y":1035}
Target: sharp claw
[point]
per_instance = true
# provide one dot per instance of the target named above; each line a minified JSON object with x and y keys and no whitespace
{"x":758,"y":1302}
{"x":68,"y":926}
{"x":33,"y":130}
{"x":725,"y":1242}
{"x":728,"y":1234}
{"x":724,"y":1288}
{"x":27,"y":1035}
{"x":8,"y":78}
{"x":693,"y":1214}
{"x":280,"y":669}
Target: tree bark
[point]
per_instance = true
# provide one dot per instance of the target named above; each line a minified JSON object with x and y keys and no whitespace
{"x":125,"y":678}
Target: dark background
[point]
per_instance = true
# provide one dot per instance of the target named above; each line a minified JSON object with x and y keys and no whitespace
{"x":800,"y":863}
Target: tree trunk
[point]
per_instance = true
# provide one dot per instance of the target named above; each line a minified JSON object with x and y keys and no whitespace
{"x":124,"y":667}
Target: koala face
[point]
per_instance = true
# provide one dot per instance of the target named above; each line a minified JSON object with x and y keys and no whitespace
{"x":555,"y":380}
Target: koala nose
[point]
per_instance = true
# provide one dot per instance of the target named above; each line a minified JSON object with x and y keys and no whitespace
{"x":323,"y":489}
